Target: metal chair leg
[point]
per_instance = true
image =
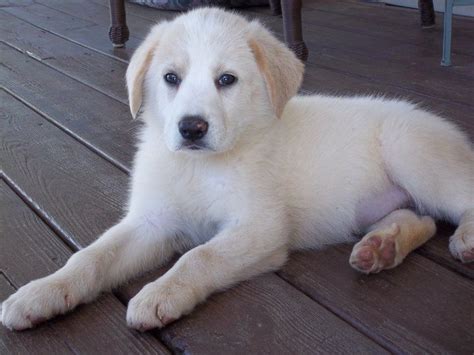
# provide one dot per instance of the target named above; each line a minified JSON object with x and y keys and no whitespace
{"x":448,"y":19}
{"x":292,"y":27}
{"x":118,"y":32}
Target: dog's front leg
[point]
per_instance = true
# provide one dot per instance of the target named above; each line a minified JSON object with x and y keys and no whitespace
{"x":123,"y":251}
{"x":235,"y":254}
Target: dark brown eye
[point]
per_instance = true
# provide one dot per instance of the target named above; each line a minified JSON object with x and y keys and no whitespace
{"x":226,"y":80}
{"x":172,"y":79}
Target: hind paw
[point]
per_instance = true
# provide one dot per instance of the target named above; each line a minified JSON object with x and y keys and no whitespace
{"x":376,"y":251}
{"x":461,"y":244}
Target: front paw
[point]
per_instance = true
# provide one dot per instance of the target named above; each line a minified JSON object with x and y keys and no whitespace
{"x":36,"y":302}
{"x":159,"y":303}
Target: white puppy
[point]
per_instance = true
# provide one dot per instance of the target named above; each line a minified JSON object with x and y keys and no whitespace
{"x":231,"y":163}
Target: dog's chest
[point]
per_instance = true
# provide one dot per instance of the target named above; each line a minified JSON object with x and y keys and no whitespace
{"x":206,"y":199}
{"x":209,"y":191}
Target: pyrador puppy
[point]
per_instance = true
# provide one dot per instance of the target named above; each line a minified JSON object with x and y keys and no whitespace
{"x":236,"y":170}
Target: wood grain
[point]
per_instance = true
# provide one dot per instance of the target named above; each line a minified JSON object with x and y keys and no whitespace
{"x":93,"y":117}
{"x":29,"y":250}
{"x":335,"y":49}
{"x":389,"y":22}
{"x":331,"y":40}
{"x":419,"y":306}
{"x":80,"y":63}
{"x":437,"y":248}
{"x":320,"y":76}
{"x":261,"y":316}
{"x":78,"y":190}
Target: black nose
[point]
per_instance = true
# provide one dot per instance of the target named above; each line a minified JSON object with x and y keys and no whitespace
{"x":193,"y":127}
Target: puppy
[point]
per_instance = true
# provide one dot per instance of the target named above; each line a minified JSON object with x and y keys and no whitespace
{"x":236,"y":170}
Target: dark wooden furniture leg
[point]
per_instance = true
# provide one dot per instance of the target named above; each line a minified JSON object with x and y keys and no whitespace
{"x":118,"y":32}
{"x":292,"y":27}
{"x":275,"y":6}
{"x":427,"y":13}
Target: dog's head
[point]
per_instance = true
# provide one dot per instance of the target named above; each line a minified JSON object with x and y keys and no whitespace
{"x":210,"y":78}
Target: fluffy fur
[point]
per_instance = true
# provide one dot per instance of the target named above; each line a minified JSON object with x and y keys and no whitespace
{"x":278,"y":172}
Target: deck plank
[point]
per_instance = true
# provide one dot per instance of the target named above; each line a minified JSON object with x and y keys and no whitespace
{"x":261,"y":316}
{"x":396,"y":22}
{"x":419,"y":306}
{"x":373,"y":19}
{"x":52,"y":171}
{"x":77,"y":108}
{"x":31,"y":250}
{"x":331,"y":52}
{"x":83,"y":64}
{"x":319,"y":76}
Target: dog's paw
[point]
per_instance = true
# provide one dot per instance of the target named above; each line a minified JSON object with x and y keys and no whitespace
{"x":461,"y":244}
{"x":376,"y":251}
{"x":34,"y":303}
{"x":157,"y":304}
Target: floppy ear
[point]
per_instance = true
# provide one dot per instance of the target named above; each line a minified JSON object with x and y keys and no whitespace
{"x":138,"y":67}
{"x":282,"y":70}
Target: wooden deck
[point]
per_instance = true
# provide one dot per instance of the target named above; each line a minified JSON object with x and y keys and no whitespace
{"x":66,"y":145}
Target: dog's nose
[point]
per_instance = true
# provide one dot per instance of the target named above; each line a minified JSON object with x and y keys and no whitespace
{"x":193,"y":127}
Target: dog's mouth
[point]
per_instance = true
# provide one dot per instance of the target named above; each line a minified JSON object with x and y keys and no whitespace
{"x":195,"y":146}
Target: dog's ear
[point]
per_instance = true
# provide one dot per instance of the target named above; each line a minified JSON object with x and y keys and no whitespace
{"x":282,"y":70}
{"x":138,"y":67}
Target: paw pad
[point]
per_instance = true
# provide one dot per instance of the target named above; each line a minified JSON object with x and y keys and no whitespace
{"x":374,"y":253}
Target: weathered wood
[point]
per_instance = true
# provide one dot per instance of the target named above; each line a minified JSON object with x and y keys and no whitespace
{"x":80,"y":63}
{"x":263,"y":315}
{"x":79,"y":191}
{"x":321,"y":79}
{"x":437,"y":248}
{"x":96,"y":13}
{"x":334,"y":49}
{"x":81,"y":27}
{"x":385,"y":22}
{"x":29,"y":249}
{"x":100,"y":121}
{"x":418,"y":307}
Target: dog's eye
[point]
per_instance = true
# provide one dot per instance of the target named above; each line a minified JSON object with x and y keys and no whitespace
{"x":172,"y":79}
{"x":226,"y":80}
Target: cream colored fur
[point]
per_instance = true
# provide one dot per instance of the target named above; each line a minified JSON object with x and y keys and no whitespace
{"x":281,"y":172}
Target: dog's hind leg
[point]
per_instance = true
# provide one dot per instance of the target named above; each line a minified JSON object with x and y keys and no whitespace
{"x":390,"y":240}
{"x":434,"y":162}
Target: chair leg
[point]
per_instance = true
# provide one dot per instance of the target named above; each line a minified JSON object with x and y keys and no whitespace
{"x":291,"y":10}
{"x":118,"y":32}
{"x":448,"y":18}
{"x":427,"y":13}
{"x":275,"y":6}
